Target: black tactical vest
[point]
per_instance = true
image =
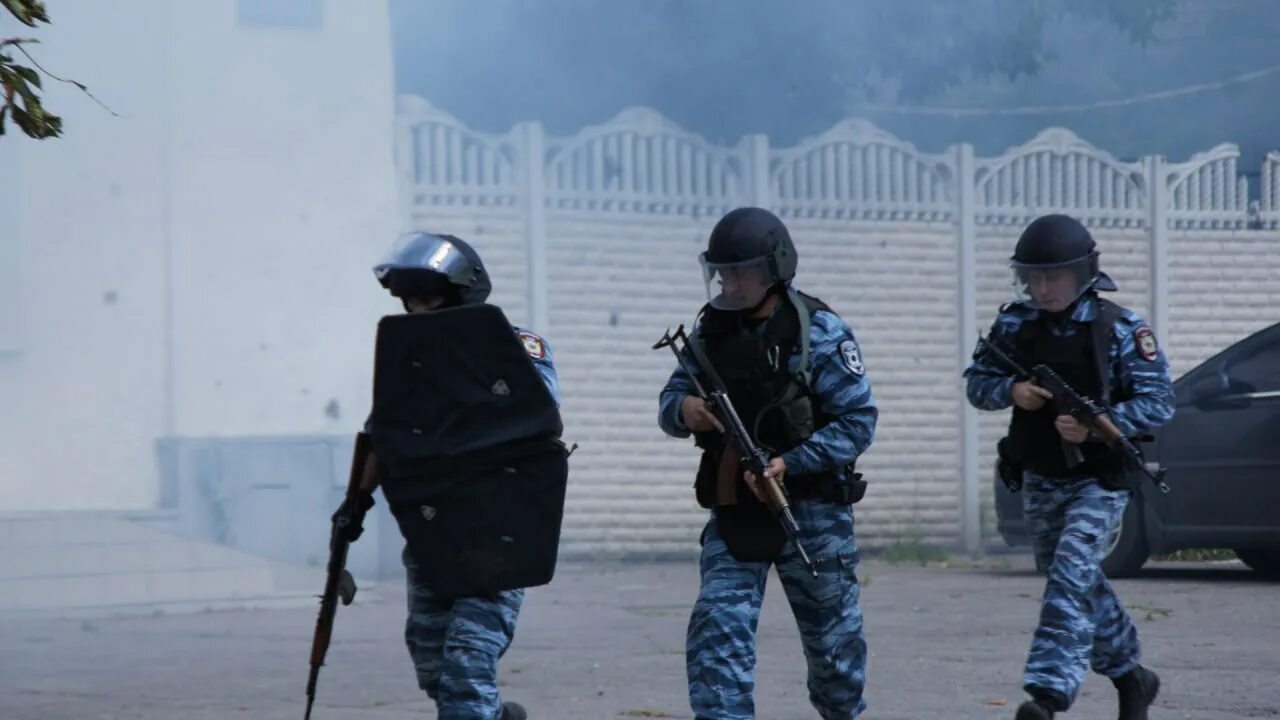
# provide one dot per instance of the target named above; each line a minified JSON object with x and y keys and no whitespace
{"x":1082,"y":360}
{"x":752,"y":359}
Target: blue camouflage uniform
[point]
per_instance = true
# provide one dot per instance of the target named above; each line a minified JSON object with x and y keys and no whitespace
{"x":1082,"y":622}
{"x":720,"y":646}
{"x":455,"y":643}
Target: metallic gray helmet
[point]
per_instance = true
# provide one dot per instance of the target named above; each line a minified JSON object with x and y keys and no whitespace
{"x":423,"y":264}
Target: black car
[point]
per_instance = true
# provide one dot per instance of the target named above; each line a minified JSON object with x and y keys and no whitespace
{"x":1221,"y":451}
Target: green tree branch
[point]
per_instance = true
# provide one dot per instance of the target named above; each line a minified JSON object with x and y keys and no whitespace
{"x":20,"y":85}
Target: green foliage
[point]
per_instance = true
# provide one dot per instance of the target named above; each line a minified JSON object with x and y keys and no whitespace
{"x":1198,"y":555}
{"x":20,"y":85}
{"x":911,"y":549}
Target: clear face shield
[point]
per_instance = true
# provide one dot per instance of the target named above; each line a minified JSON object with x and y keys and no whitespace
{"x":738,"y":285}
{"x":1053,"y":288}
{"x":417,"y":251}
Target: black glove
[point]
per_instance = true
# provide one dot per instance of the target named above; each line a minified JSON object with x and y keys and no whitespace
{"x":348,"y":520}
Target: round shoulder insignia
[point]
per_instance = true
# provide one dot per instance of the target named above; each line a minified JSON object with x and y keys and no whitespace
{"x":1145,"y":340}
{"x":851,"y":357}
{"x":532,"y":345}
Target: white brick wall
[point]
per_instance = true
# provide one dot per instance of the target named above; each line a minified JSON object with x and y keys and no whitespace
{"x":1224,"y":286}
{"x":616,"y":282}
{"x":896,"y":285}
{"x":615,"y":285}
{"x":627,"y":208}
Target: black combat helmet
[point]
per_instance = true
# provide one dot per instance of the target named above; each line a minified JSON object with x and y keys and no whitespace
{"x":1057,"y":243}
{"x":424,"y":264}
{"x":749,"y":253}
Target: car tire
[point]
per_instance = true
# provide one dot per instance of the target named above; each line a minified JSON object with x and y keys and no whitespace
{"x":1128,"y":551}
{"x":1264,"y":561}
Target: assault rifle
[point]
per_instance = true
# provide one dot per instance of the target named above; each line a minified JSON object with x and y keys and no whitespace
{"x":1071,"y":402}
{"x":749,"y":453}
{"x":338,"y":584}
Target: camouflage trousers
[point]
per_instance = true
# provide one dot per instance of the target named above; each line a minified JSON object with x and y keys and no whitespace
{"x":1082,"y":623}
{"x":455,"y":644}
{"x":720,"y":648}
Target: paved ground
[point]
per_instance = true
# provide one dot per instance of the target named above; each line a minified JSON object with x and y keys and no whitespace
{"x":606,"y":641}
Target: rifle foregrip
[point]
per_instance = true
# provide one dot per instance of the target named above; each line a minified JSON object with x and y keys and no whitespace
{"x":773,"y":494}
{"x":1107,"y":428}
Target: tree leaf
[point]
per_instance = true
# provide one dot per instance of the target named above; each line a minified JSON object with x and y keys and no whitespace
{"x":28,"y":12}
{"x":29,"y":74}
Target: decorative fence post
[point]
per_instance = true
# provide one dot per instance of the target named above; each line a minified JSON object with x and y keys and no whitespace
{"x":1158,"y":233}
{"x":966,"y":251}
{"x":532,"y":148}
{"x":1269,"y":206}
{"x":757,"y":153}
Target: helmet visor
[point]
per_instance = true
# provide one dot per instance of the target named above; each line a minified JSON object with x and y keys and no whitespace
{"x":419,"y":251}
{"x":1053,"y":288}
{"x":737,"y":285}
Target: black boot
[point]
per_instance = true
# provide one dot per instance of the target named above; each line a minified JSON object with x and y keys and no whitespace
{"x":1034,"y":710}
{"x":513,"y":711}
{"x":1042,"y":705}
{"x":1138,"y":689}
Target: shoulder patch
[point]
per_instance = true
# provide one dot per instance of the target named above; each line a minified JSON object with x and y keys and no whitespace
{"x":532,"y":345}
{"x":851,"y":357}
{"x":1145,"y":340}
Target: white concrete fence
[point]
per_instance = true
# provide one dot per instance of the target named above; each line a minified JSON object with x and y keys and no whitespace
{"x":592,"y":241}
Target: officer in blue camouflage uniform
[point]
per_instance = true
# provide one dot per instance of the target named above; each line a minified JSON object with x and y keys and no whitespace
{"x":455,"y":642}
{"x":809,"y":405}
{"x":1073,"y":505}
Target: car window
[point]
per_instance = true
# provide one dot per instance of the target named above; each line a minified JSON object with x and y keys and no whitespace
{"x":1260,"y":367}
